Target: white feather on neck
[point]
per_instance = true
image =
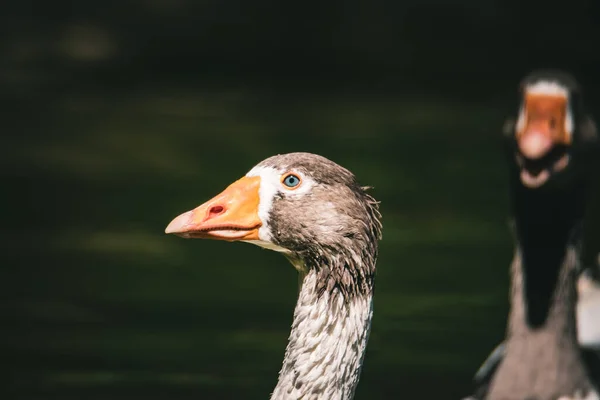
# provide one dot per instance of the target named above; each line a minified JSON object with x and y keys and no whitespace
{"x":326,"y":345}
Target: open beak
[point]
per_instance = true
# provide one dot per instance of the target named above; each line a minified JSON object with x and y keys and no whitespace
{"x":231,"y":215}
{"x":538,"y":139}
{"x":543,"y":140}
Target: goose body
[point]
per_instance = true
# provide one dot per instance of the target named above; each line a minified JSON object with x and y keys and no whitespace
{"x":549,"y":147}
{"x":314,"y":212}
{"x":588,"y":327}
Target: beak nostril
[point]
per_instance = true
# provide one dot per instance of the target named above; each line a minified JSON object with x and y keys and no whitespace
{"x":215,"y":210}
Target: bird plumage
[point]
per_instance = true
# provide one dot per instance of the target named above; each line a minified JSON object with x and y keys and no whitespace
{"x":549,"y":148}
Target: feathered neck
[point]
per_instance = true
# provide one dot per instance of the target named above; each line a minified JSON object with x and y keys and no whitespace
{"x":330,"y":329}
{"x":542,"y":359}
{"x":547,"y":224}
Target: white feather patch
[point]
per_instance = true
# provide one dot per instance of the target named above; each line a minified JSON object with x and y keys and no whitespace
{"x":267,"y":245}
{"x":588,"y":310}
{"x":547,"y":88}
{"x":269,"y":182}
{"x":270,"y":186}
{"x":592,"y":395}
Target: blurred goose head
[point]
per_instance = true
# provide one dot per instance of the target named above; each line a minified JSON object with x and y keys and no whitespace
{"x":552,"y":136}
{"x":550,"y":149}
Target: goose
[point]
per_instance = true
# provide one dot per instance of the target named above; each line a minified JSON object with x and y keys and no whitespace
{"x":549,"y":147}
{"x":588,"y":329}
{"x":315,"y":213}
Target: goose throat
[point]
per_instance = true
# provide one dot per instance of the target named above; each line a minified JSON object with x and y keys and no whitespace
{"x":547,"y":227}
{"x":329,"y":334}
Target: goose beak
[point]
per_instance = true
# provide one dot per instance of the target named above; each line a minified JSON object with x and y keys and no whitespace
{"x":536,"y":141}
{"x":231,"y":215}
{"x":544,"y":126}
{"x":543,"y":138}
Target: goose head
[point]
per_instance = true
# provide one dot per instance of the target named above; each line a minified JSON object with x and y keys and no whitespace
{"x":551,"y":136}
{"x":313,"y":211}
{"x":300,"y":204}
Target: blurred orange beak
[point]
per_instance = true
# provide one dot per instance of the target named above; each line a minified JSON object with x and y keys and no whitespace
{"x":232,"y":215}
{"x":544,"y":127}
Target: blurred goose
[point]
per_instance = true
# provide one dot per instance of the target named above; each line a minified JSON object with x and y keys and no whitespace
{"x":314,"y":212}
{"x":588,"y":330}
{"x":550,"y":146}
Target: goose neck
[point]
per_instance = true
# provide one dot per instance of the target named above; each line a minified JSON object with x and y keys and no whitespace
{"x":327,"y":342}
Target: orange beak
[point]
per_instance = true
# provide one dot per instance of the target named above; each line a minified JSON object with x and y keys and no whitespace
{"x":536,"y":140}
{"x":544,"y":127}
{"x":232,"y":215}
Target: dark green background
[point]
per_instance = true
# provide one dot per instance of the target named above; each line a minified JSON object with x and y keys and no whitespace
{"x":120,"y":115}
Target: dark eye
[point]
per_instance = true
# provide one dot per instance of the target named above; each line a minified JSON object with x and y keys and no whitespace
{"x":552,"y":123}
{"x":291,"y":181}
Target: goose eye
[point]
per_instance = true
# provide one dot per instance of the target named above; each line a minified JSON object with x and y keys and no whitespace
{"x":291,"y":181}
